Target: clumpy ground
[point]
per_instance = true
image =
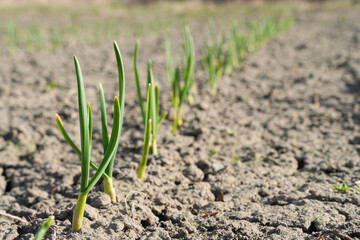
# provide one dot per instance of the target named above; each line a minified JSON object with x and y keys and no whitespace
{"x":275,"y":154}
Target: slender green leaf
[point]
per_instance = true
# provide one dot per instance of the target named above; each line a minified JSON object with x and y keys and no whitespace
{"x":121,"y":73}
{"x":90,"y":122}
{"x":137,"y":83}
{"x":169,"y":61}
{"x":147,"y":135}
{"x":66,"y":136}
{"x":84,"y":129}
{"x":70,"y":141}
{"x":163,"y":116}
{"x":190,"y":69}
{"x":105,"y":136}
{"x":154,"y":110}
{"x":112,"y":148}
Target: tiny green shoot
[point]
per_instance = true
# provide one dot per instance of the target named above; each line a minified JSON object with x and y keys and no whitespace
{"x":12,"y":37}
{"x":236,"y":158}
{"x":343,"y":187}
{"x":338,"y":187}
{"x":44,"y":228}
{"x":212,"y":151}
{"x":188,"y":52}
{"x":155,"y":102}
{"x":50,"y":85}
{"x":147,"y":134}
{"x":185,"y":70}
{"x":214,"y":61}
{"x":110,"y":144}
{"x":214,"y":67}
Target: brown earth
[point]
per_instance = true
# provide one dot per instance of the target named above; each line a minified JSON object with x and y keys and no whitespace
{"x":290,"y":151}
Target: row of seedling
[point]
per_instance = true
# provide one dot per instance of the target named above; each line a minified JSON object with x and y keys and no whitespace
{"x":219,"y":59}
{"x":225,"y":53}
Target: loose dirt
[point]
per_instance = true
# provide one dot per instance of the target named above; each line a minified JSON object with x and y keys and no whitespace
{"x":278,"y":151}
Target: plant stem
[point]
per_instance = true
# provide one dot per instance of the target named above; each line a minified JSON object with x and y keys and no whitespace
{"x":109,"y":189}
{"x":213,"y":89}
{"x":178,"y":116}
{"x":154,"y":146}
{"x":143,"y":163}
{"x":175,"y":124}
{"x":145,"y":154}
{"x":177,"y":120}
{"x":78,"y":213}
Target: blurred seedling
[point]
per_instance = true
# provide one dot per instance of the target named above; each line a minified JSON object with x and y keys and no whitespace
{"x":212,"y":151}
{"x":110,"y":145}
{"x":230,"y":132}
{"x":240,"y":42}
{"x":154,"y":100}
{"x":44,"y":228}
{"x":50,"y":85}
{"x":147,"y":134}
{"x":236,"y":158}
{"x":341,"y":187}
{"x":214,"y":60}
{"x":12,"y":37}
{"x":186,"y":53}
{"x":185,"y":71}
{"x":260,"y":31}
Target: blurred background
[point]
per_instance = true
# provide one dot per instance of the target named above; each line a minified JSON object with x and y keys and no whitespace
{"x":40,"y":25}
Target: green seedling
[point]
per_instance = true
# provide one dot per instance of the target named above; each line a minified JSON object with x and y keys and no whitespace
{"x":232,"y":60}
{"x":240,"y":42}
{"x":155,"y":114}
{"x":341,"y":187}
{"x":108,"y":183}
{"x":214,"y":61}
{"x":50,"y":85}
{"x":12,"y":37}
{"x":185,"y":71}
{"x":212,"y":151}
{"x":213,"y":65}
{"x":236,"y":158}
{"x":260,"y":31}
{"x":217,"y":45}
{"x":147,"y":134}
{"x":344,"y":188}
{"x":188,"y":53}
{"x":44,"y":228}
{"x":33,"y":39}
{"x":110,"y":145}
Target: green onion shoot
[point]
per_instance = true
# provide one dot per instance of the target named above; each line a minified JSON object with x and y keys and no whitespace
{"x":155,"y":114}
{"x":110,"y":144}
{"x":147,"y":134}
{"x":44,"y":228}
{"x":185,"y":70}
